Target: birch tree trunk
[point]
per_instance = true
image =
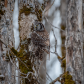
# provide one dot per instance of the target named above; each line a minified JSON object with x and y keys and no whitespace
{"x":74,"y":41}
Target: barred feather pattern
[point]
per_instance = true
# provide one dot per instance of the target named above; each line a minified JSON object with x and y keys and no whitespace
{"x":40,"y":39}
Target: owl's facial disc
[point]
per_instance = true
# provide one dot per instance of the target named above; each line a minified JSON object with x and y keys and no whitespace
{"x":40,"y":27}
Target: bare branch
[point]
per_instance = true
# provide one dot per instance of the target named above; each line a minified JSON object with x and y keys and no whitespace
{"x":49,"y":7}
{"x":19,"y":76}
{"x":22,"y":62}
{"x":55,"y":39}
{"x":49,"y":76}
{"x":16,"y":66}
{"x":53,"y":25}
{"x":58,"y":78}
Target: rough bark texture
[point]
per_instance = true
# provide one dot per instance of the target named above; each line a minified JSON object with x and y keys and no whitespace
{"x":25,"y":26}
{"x":6,"y":34}
{"x":36,"y":67}
{"x":74,"y":41}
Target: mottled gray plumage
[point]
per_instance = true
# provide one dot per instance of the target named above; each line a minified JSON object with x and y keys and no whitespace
{"x":40,"y":38}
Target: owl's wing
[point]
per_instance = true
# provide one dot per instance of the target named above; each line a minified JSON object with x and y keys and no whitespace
{"x":38,"y":39}
{"x":41,"y":39}
{"x":45,"y":36}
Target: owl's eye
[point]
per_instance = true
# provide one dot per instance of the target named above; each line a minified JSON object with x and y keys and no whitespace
{"x":38,"y":26}
{"x":41,"y":26}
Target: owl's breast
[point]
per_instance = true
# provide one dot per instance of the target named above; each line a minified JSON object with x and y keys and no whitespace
{"x":40,"y":38}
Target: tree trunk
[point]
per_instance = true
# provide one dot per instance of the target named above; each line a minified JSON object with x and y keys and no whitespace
{"x":74,"y":41}
{"x":36,"y":72}
{"x":6,"y":34}
{"x":25,"y":24}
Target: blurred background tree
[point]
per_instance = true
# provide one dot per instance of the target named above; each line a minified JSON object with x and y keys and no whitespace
{"x":18,"y":65}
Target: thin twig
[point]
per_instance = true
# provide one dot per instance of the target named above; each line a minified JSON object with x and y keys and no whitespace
{"x":3,"y":42}
{"x":58,"y":78}
{"x":22,"y":62}
{"x":54,"y":53}
{"x":9,"y":46}
{"x":55,"y":39}
{"x":19,"y":76}
{"x":53,"y":25}
{"x":49,"y":7}
{"x":15,"y":66}
{"x":49,"y":76}
{"x":63,"y":45}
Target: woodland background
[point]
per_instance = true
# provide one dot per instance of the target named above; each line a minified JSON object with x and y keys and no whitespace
{"x":63,"y":20}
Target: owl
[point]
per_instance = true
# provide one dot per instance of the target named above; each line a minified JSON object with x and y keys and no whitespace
{"x":40,"y":39}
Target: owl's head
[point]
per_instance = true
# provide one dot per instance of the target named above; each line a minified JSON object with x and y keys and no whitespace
{"x":38,"y":26}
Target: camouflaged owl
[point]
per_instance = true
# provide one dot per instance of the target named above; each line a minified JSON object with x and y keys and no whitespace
{"x":40,"y":39}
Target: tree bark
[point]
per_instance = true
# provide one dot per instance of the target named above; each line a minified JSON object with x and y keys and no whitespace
{"x":6,"y":34}
{"x":7,"y":70}
{"x":25,"y":23}
{"x":74,"y":41}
